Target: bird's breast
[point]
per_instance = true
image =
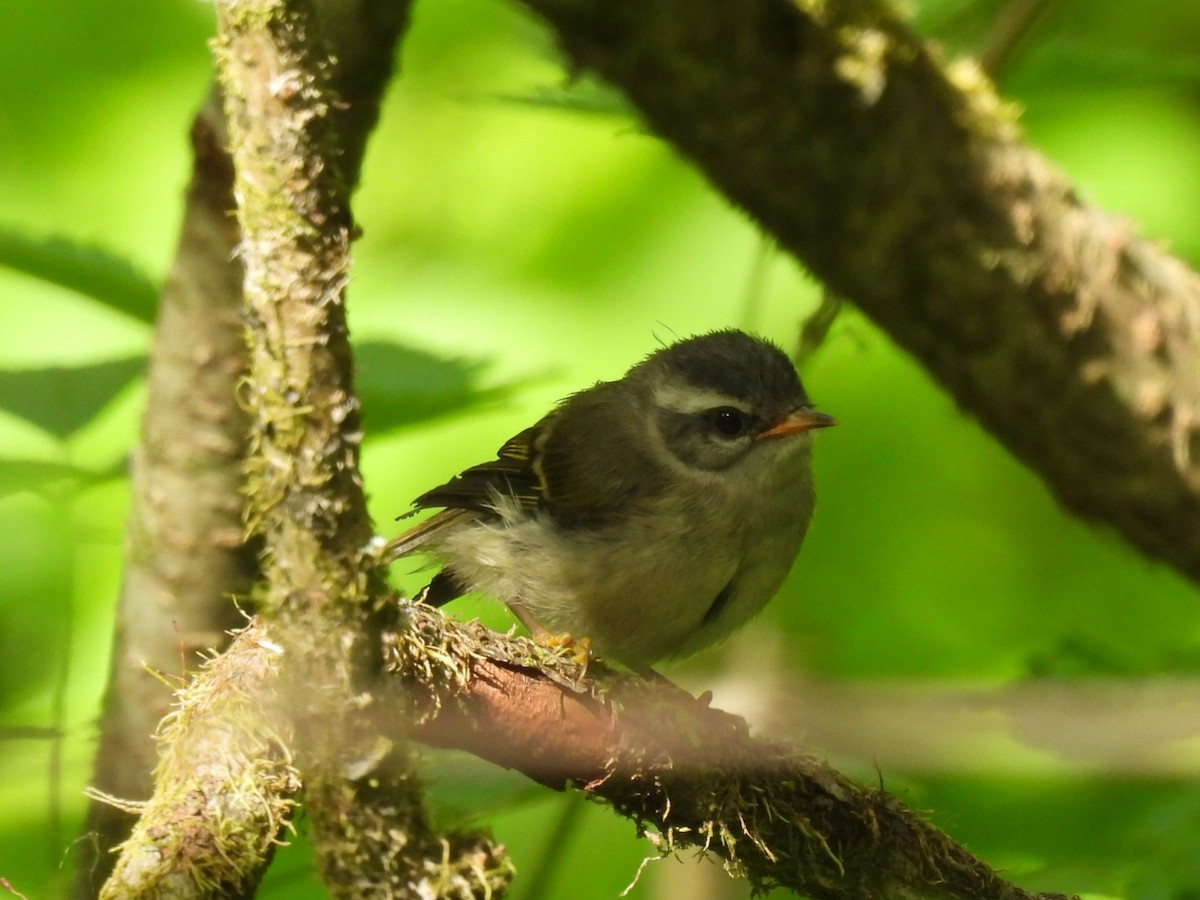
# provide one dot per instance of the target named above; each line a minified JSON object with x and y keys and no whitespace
{"x":666,"y":580}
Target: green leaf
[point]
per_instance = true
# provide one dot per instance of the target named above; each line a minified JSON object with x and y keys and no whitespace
{"x":61,"y":399}
{"x":88,"y":270}
{"x":35,"y":475}
{"x":400,"y":386}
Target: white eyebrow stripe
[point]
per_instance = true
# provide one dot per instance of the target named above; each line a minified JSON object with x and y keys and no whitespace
{"x":689,"y":400}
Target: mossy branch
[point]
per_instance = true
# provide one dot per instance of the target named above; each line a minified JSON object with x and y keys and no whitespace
{"x":322,"y":586}
{"x":690,"y":776}
{"x":224,"y":785}
{"x":903,"y":184}
{"x":186,"y":530}
{"x":186,"y":554}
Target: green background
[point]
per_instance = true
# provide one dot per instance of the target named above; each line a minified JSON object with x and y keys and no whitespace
{"x":546,"y":248}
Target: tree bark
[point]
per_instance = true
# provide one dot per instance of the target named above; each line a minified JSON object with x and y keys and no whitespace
{"x":186,"y":558}
{"x":691,"y":777}
{"x":903,"y":184}
{"x":324,"y":583}
{"x":185,"y":555}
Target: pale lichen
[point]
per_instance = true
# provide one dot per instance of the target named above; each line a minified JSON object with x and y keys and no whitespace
{"x":864,"y":61}
{"x":983,"y":111}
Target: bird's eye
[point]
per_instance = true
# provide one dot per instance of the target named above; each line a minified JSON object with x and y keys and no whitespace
{"x":728,"y":421}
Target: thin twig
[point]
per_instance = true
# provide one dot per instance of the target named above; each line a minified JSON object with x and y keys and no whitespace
{"x":1012,"y":26}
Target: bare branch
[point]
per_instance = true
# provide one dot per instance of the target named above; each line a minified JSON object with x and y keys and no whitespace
{"x":186,"y":556}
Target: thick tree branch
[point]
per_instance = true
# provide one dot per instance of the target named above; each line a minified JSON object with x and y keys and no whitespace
{"x":691,"y":775}
{"x":186,"y":553}
{"x":904,"y":186}
{"x":323,"y":586}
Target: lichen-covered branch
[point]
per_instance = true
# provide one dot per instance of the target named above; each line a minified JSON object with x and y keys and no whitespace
{"x":187,"y":557}
{"x":297,"y":143}
{"x":323,"y":586}
{"x":903,"y":184}
{"x":293,"y":209}
{"x":224,"y":784}
{"x":690,"y":775}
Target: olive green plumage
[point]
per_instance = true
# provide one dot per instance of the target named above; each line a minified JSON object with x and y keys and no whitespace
{"x":653,"y":514}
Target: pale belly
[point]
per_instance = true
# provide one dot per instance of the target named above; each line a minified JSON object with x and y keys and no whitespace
{"x":645,"y":591}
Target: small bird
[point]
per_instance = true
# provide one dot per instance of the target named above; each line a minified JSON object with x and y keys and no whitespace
{"x":652,"y":515}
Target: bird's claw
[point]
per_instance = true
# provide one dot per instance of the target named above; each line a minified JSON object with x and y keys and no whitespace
{"x":580,"y":649}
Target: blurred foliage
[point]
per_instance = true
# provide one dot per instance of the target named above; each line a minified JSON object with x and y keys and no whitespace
{"x":508,"y":236}
{"x":91,"y":271}
{"x":62,"y":399}
{"x":401,"y":386}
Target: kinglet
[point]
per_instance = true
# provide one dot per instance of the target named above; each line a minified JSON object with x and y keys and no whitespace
{"x":652,"y":515}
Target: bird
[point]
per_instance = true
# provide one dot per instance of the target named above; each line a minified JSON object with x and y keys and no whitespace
{"x":650,"y":516}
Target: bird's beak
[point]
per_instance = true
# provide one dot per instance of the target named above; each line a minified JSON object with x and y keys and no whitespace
{"x":802,"y":419}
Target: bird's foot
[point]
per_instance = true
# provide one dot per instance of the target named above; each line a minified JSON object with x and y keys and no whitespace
{"x":579,"y":649}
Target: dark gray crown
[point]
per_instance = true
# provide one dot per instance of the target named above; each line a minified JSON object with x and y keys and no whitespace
{"x":735,"y":364}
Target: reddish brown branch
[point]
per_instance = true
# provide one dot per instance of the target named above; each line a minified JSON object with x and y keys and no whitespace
{"x":689,"y":774}
{"x":511,"y":717}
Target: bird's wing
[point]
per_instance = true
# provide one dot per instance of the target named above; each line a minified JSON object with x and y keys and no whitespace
{"x":593,"y":465}
{"x":472,"y":494}
{"x":511,"y":474}
{"x":581,"y":464}
{"x":416,"y":537}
